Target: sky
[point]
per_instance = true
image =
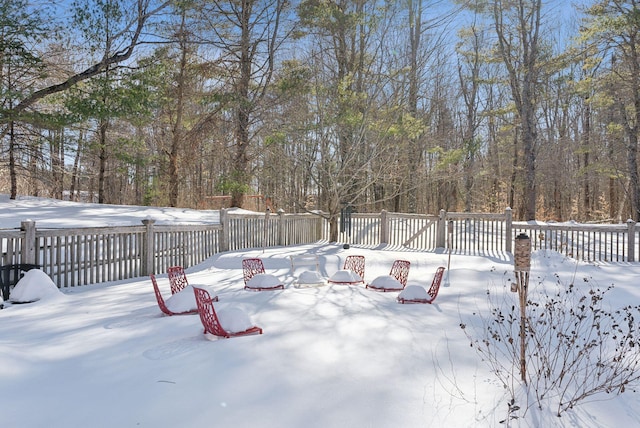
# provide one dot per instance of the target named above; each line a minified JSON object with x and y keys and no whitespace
{"x":330,"y":355}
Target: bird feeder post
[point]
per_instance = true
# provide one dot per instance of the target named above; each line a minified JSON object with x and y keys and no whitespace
{"x":522,"y":266}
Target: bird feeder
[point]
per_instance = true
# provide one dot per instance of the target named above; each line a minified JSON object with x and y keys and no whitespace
{"x":522,"y":255}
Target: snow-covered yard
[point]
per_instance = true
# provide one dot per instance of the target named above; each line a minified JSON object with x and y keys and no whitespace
{"x":330,"y":356}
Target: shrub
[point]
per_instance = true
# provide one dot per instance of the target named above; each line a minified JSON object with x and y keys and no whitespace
{"x":577,"y":346}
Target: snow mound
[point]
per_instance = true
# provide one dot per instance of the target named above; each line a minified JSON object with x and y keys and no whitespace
{"x":263,"y":280}
{"x":182,"y":301}
{"x":414,"y":292}
{"x":233,"y":320}
{"x":33,"y":286}
{"x":345,"y":276}
{"x":310,"y":277}
{"x":386,"y":282}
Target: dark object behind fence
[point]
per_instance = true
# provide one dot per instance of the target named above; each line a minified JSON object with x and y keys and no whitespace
{"x":11,"y":274}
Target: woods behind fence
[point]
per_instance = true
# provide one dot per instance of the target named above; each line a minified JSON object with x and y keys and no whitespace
{"x":79,"y":256}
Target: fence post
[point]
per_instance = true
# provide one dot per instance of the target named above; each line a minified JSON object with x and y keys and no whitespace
{"x":281,"y":228}
{"x":224,"y":233}
{"x":319,"y":226}
{"x":148,"y":248}
{"x":442,"y":229}
{"x":631,"y":239}
{"x":384,"y":228}
{"x":28,"y":242}
{"x":508,"y":224}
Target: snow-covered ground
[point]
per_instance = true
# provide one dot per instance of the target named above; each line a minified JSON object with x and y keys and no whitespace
{"x":56,"y":213}
{"x":330,"y":355}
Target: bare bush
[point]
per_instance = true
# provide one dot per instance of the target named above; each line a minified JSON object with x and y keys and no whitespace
{"x":577,"y":346}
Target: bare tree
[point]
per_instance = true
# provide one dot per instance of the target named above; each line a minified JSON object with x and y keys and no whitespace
{"x":470,"y":61}
{"x":177,"y":131}
{"x":248,"y":35}
{"x":517,"y":25}
{"x":345,"y":50}
{"x":613,"y":26}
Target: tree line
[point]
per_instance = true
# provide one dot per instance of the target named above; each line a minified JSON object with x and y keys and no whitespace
{"x":408,"y":105}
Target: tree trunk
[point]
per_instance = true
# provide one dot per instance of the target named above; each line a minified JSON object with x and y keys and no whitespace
{"x":514,"y":171}
{"x":57,"y":159}
{"x":12,"y":163}
{"x":634,"y":130}
{"x":243,"y":109}
{"x":34,"y":176}
{"x":102,"y":158}
{"x":634,"y":181}
{"x":519,"y":51}
{"x":75,"y":185}
{"x":414,"y":153}
{"x":586,"y":143}
{"x":528,"y":139}
{"x":177,"y":131}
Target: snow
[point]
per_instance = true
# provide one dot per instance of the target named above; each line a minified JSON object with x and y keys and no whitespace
{"x":345,"y":276}
{"x":332,"y":356}
{"x":263,"y":280}
{"x":311,"y":277}
{"x":43,"y":211}
{"x":183,"y":301}
{"x":33,"y":286}
{"x":233,"y":319}
{"x":386,"y":282}
{"x":414,"y":292}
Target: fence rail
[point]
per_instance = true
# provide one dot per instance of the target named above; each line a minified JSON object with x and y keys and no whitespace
{"x":608,"y":243}
{"x":488,"y":234}
{"x":80,"y":256}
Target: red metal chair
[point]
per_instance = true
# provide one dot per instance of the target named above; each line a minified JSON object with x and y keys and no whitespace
{"x":210,"y":319}
{"x":177,"y":278}
{"x":355,"y":264}
{"x":432,"y":293}
{"x":399,"y":271}
{"x":254,"y":266}
{"x":162,"y":304}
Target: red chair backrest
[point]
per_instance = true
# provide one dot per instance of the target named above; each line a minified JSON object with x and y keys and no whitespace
{"x":435,"y":284}
{"x":159,"y":298}
{"x":177,"y":278}
{"x":207,"y":313}
{"x":356,"y":264}
{"x":400,"y":271}
{"x":250,"y":268}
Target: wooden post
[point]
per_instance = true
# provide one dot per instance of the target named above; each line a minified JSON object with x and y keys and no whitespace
{"x":265,"y":229}
{"x":508,"y":224}
{"x":320,"y":226}
{"x":631,"y":241}
{"x":224,"y":233}
{"x":281,"y":227}
{"x":384,"y":228}
{"x":442,"y":229}
{"x":28,"y":242}
{"x":148,"y":249}
{"x":449,"y":243}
